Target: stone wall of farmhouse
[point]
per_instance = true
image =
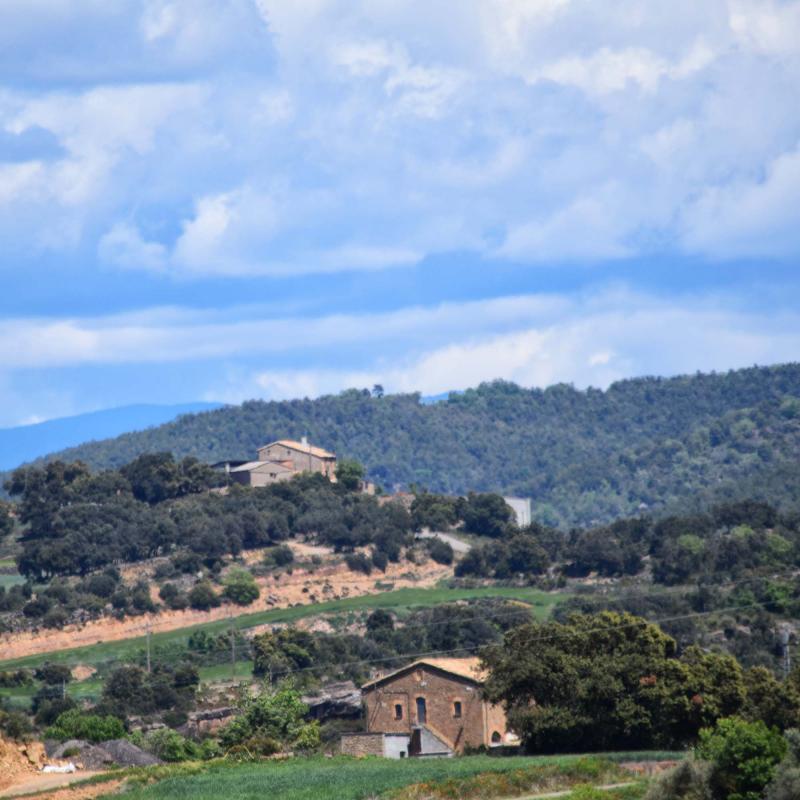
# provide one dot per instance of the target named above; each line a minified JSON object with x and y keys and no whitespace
{"x":453,"y":707}
{"x":362,"y":744}
{"x":301,"y":462}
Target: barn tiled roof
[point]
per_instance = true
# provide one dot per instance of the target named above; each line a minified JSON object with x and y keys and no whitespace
{"x":463,"y":667}
{"x":302,"y":448}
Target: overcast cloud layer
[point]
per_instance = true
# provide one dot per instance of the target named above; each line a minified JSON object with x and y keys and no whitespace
{"x":233,"y":198}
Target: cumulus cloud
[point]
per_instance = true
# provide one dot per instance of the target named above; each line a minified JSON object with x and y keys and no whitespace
{"x":277,"y":138}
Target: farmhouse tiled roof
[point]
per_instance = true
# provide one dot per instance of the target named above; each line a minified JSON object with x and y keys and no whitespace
{"x":462,"y":667}
{"x":302,"y":448}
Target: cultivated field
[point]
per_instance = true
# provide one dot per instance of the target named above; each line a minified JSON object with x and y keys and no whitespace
{"x":348,"y":779}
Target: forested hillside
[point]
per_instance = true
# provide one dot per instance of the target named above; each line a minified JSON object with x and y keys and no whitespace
{"x":584,"y":456}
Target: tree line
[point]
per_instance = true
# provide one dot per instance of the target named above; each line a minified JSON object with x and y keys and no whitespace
{"x":585,"y":457}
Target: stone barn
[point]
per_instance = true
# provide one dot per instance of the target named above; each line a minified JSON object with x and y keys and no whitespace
{"x":433,"y":707}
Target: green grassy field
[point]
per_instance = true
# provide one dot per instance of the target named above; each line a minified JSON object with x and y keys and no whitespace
{"x":348,"y":779}
{"x":541,"y":603}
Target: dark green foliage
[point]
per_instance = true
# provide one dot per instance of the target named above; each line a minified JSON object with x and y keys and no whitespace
{"x":607,"y":681}
{"x":132,"y":690}
{"x":155,"y":477}
{"x":173,"y":597}
{"x":487,"y":515}
{"x":305,"y":657}
{"x":203,"y":597}
{"x":274,"y":716}
{"x":280,"y":556}
{"x":436,"y":512}
{"x":440,"y":551}
{"x":743,"y":757}
{"x":6,"y":520}
{"x":520,"y":554}
{"x":53,"y":674}
{"x":79,"y":523}
{"x":48,"y":707}
{"x":19,"y":677}
{"x":358,"y":562}
{"x":585,"y":456}
{"x":349,"y":474}
{"x":241,"y":587}
{"x":75,"y":724}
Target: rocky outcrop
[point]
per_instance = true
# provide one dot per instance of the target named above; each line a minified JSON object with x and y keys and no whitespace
{"x":340,"y":700}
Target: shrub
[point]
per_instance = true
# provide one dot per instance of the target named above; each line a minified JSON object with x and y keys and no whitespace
{"x":272,"y":715}
{"x":203,"y":597}
{"x":380,"y":560}
{"x":441,"y":552}
{"x":169,"y":745}
{"x":279,"y":556}
{"x":53,"y":674}
{"x":48,"y":710}
{"x":76,"y":725}
{"x":743,"y":757}
{"x":102,"y":585}
{"x":690,"y":780}
{"x":15,"y":725}
{"x":173,"y":596}
{"x":55,"y":618}
{"x":358,"y":562}
{"x":241,"y":587}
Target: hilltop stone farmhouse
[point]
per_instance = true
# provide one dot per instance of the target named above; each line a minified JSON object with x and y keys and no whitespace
{"x":279,"y":461}
{"x":433,"y":707}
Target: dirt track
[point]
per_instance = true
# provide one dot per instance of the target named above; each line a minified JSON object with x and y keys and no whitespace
{"x":36,"y":784}
{"x":329,"y":582}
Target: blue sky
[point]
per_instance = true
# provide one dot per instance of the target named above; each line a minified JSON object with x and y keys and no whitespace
{"x":226,"y":199}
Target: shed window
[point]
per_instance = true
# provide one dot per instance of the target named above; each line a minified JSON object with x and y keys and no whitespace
{"x":457,"y":709}
{"x":422,"y":711}
{"x":398,"y":711}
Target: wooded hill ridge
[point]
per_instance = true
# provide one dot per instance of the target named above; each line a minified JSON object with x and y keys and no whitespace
{"x":654,"y":444}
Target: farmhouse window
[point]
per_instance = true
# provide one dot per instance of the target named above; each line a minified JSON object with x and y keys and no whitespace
{"x":457,"y":709}
{"x":398,"y":711}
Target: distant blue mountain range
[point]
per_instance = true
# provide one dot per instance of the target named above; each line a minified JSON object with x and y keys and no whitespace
{"x":27,"y":442}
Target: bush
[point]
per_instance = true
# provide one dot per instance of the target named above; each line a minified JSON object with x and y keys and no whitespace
{"x":272,"y":716}
{"x":358,"y":562}
{"x":279,"y":556}
{"x":241,"y":587}
{"x":15,"y":725}
{"x":441,"y":552}
{"x":743,"y":757}
{"x":53,"y":674}
{"x":76,"y":725}
{"x":169,"y":745}
{"x":48,"y":710}
{"x":173,"y":597}
{"x":690,"y":780}
{"x":380,"y":560}
{"x":203,"y":597}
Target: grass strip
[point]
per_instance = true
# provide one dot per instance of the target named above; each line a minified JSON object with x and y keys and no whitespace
{"x":541,"y":604}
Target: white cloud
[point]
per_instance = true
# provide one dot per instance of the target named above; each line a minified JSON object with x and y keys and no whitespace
{"x":750,"y":218}
{"x":609,"y":70}
{"x":615,"y":337}
{"x":123,"y":245}
{"x":320,"y":135}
